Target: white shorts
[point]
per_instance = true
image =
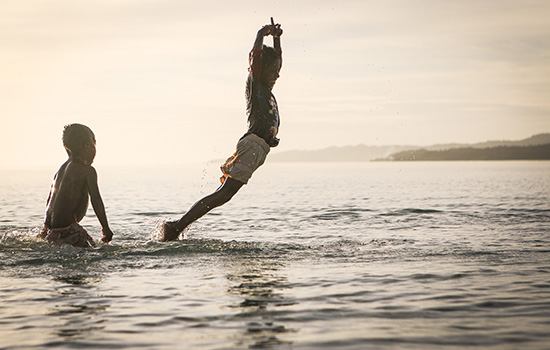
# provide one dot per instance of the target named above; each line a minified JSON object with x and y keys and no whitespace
{"x":249,"y":156}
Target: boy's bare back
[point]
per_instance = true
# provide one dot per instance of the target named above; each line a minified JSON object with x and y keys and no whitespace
{"x":68,"y":200}
{"x":74,"y":184}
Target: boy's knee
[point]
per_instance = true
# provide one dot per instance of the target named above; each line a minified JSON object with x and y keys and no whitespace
{"x":226,"y":193}
{"x":225,"y":197}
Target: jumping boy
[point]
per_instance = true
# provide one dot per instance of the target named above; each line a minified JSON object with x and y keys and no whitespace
{"x":263,"y":125}
{"x":73,"y":184}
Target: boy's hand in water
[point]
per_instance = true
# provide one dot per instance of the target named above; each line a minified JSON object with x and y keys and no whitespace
{"x":107,"y":235}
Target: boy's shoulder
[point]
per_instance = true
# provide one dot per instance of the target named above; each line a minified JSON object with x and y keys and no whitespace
{"x":76,"y":168}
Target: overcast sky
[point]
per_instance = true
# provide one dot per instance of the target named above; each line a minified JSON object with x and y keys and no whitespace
{"x":162,"y":81}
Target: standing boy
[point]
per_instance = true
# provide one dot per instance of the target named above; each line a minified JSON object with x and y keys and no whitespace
{"x":253,"y":147}
{"x":74,"y":182}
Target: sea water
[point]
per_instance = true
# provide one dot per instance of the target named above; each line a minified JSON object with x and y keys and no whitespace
{"x":419,"y":255}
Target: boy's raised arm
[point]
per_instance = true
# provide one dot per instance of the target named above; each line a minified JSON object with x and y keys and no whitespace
{"x":277,"y":45}
{"x":276,"y":33}
{"x":99,"y":207}
{"x":255,"y":57}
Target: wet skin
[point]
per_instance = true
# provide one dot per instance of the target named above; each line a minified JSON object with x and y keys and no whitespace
{"x":73,"y":185}
{"x":268,"y":76}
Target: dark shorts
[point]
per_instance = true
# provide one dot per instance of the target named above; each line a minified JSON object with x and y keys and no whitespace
{"x":249,"y":156}
{"x":74,"y":235}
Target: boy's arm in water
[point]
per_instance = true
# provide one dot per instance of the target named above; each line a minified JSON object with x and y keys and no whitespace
{"x":97,"y":204}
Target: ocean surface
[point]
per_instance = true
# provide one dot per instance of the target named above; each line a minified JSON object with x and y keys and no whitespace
{"x":420,"y":255}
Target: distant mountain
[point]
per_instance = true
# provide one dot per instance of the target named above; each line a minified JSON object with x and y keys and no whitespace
{"x":539,"y":139}
{"x":363,"y":153}
{"x":538,"y":152}
{"x":359,"y":153}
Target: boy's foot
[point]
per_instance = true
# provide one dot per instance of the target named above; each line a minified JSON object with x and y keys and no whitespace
{"x":169,"y":232}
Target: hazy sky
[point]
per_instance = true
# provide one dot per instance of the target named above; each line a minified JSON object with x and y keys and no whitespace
{"x":162,"y":81}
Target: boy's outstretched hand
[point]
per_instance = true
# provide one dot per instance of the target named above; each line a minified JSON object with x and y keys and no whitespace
{"x":107,"y":235}
{"x":271,"y":29}
{"x":276,"y":30}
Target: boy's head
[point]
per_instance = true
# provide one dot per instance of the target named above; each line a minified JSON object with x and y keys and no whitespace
{"x":79,"y":140}
{"x":271,"y":65}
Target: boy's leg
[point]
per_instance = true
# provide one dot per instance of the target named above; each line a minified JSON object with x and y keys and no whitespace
{"x":221,"y":196}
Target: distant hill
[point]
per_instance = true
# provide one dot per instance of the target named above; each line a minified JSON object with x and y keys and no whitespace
{"x":363,"y":153}
{"x":539,"y":139}
{"x":360,"y":153}
{"x":538,"y":152}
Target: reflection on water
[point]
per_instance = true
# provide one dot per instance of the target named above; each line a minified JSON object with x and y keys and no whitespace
{"x":78,"y":309}
{"x":359,"y":256}
{"x":261,"y":287}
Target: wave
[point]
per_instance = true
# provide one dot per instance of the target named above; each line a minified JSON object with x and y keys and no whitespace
{"x":338,"y":213}
{"x":22,"y":248}
{"x":156,"y":213}
{"x":411,"y":211}
{"x":359,"y":213}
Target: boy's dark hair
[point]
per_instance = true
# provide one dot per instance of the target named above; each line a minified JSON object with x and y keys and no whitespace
{"x":75,"y":137}
{"x":269,"y":56}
